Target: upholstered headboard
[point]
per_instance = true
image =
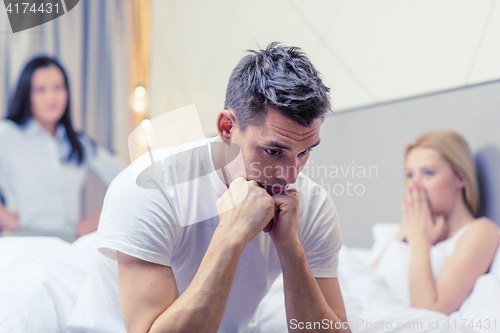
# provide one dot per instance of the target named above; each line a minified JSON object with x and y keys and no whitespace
{"x":360,"y":159}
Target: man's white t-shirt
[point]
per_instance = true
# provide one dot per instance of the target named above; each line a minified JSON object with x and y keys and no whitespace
{"x":173,"y":224}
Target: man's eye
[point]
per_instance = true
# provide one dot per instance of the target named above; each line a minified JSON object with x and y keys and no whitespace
{"x":273,"y":152}
{"x":429,"y":173}
{"x":305,"y":152}
{"x":409,"y":175}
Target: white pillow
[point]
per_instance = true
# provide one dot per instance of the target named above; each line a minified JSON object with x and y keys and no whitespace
{"x":495,"y":266}
{"x":382,"y":234}
{"x":482,"y":304}
{"x":87,"y":242}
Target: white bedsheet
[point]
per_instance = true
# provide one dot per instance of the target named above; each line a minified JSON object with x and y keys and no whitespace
{"x":41,"y":277}
{"x":372,"y":307}
{"x":369,"y":300}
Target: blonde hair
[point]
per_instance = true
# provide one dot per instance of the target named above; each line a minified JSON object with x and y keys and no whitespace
{"x":454,"y":149}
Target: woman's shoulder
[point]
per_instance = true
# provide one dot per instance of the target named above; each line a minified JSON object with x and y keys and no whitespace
{"x":7,"y":129}
{"x":483,"y":231}
{"x":8,"y":126}
{"x":484,"y":224}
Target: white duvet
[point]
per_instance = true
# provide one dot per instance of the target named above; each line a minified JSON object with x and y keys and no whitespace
{"x":372,"y":306}
{"x":41,"y":277}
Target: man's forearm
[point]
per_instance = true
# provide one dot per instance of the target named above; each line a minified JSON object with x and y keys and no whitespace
{"x":304,"y":300}
{"x":201,"y":306}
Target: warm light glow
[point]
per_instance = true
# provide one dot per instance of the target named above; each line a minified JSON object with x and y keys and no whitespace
{"x":140,"y":91}
{"x":146,"y":124}
{"x":139,"y":106}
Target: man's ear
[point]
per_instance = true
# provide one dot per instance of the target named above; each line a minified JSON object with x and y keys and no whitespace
{"x":225,"y":123}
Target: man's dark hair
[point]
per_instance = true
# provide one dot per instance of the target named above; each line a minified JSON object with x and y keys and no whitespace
{"x":280,"y":77}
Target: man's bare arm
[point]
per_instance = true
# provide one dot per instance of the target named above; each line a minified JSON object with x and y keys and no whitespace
{"x":150,"y":301}
{"x":330,"y":289}
{"x":148,"y":293}
{"x":308,"y":299}
{"x":146,"y":290}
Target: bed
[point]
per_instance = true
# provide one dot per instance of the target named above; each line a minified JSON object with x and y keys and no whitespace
{"x":40,"y":280}
{"x":41,"y":277}
{"x":372,"y":306}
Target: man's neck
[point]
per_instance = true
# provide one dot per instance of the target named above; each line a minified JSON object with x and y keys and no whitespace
{"x":228,"y":161}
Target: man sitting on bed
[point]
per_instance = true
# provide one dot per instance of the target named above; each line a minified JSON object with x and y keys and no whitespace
{"x":174,"y":275}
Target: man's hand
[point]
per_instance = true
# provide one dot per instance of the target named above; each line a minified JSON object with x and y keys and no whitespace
{"x":284,"y":229}
{"x":245,"y":209}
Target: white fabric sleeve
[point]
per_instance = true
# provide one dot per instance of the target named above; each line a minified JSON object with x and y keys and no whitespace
{"x":320,"y":236}
{"x":136,"y":221}
{"x":101,"y":162}
{"x":4,"y":136}
{"x":5,"y":139}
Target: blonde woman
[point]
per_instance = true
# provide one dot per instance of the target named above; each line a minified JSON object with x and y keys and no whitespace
{"x":441,"y":247}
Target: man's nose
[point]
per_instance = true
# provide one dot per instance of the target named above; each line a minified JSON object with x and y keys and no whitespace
{"x":288,"y":172}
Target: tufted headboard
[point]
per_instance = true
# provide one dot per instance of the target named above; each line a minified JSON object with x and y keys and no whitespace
{"x":360,"y":158}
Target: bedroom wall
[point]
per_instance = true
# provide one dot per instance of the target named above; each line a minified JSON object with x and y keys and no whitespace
{"x":367,"y":51}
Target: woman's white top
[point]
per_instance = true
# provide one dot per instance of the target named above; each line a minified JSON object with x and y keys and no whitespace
{"x":394,"y":265}
{"x":40,"y":185}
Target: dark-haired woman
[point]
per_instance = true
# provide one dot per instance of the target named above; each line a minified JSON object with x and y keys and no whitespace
{"x":43,"y":161}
